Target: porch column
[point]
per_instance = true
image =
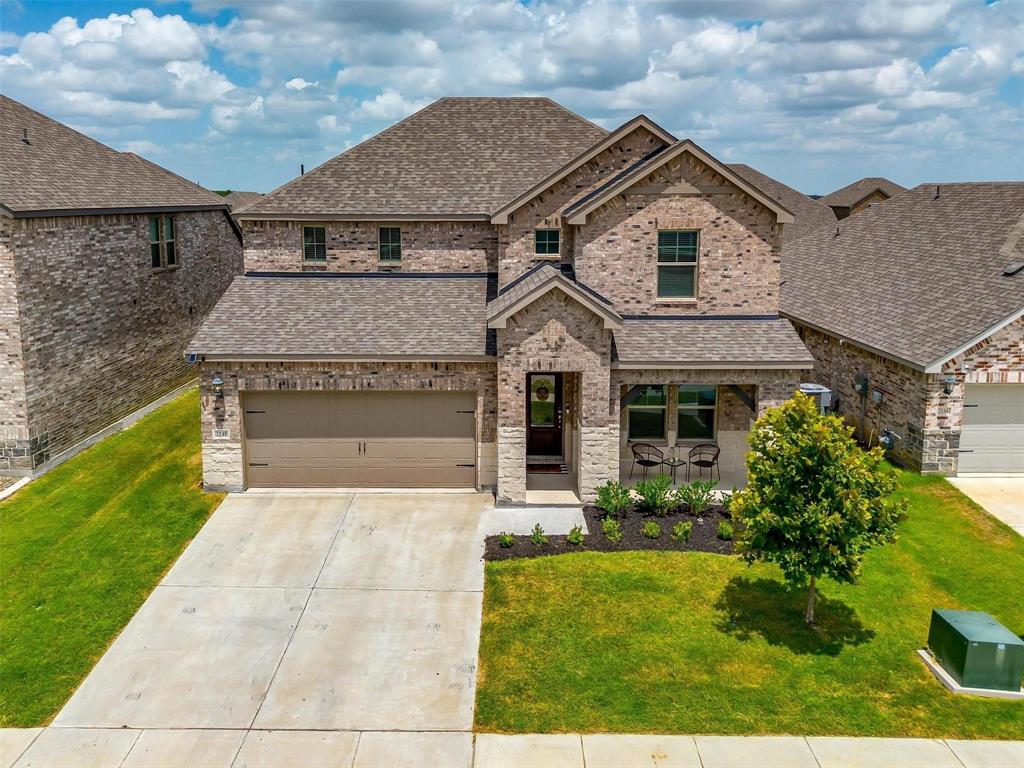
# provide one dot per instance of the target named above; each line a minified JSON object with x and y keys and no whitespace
{"x":596,"y":466}
{"x":511,"y":432}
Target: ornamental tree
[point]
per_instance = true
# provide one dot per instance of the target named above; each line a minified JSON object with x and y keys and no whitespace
{"x":814,"y":502}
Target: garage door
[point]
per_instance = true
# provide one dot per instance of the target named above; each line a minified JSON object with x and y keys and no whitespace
{"x":360,"y":439}
{"x":992,"y":437}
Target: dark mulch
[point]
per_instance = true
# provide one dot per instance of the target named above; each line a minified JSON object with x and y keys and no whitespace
{"x":704,"y":537}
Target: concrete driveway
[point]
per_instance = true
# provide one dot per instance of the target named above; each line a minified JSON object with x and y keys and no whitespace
{"x":1000,"y":496}
{"x":305,"y":612}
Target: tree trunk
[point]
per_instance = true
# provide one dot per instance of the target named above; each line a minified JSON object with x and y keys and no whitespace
{"x":810,"y":603}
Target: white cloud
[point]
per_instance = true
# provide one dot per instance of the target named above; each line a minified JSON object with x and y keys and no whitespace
{"x":390,"y":105}
{"x":143,"y":147}
{"x":299,"y":84}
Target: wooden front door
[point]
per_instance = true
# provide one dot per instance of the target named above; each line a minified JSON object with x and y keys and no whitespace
{"x":544,"y":414}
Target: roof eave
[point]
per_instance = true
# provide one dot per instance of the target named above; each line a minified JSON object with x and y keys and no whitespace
{"x":611,"y":319}
{"x":56,"y":212}
{"x":848,"y":340}
{"x":211,"y":357}
{"x":688,"y":365}
{"x":248,"y":214}
{"x":937,"y":365}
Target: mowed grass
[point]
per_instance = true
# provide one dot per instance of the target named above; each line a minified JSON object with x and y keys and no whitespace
{"x":697,"y":643}
{"x":82,"y":547}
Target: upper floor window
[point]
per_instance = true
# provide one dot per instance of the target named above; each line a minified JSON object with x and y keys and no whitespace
{"x":389,"y":243}
{"x":697,"y":410}
{"x":677,"y":264}
{"x":545,"y":242}
{"x":162,"y":252}
{"x":647,"y":414}
{"x":314,"y":244}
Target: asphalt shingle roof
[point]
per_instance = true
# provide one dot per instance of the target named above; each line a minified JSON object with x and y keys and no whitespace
{"x":239,"y":201}
{"x":368,"y":315}
{"x":917,"y":277}
{"x":810,"y":214}
{"x":711,"y":341}
{"x":458,"y":156}
{"x":537,"y":277}
{"x":60,"y":169}
{"x":853,"y":193}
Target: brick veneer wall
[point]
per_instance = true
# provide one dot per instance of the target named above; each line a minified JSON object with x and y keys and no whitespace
{"x":223,"y":459}
{"x":516,"y":250}
{"x":103,"y":333}
{"x":445,"y":246}
{"x":554,"y":333}
{"x":616,"y":251}
{"x":14,"y":452}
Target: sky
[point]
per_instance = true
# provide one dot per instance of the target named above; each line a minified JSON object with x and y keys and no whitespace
{"x":817,"y":93}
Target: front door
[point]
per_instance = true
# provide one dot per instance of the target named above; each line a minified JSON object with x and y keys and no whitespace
{"x":544,"y":414}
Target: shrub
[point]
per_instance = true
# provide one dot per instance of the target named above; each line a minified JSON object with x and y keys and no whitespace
{"x":681,"y":531}
{"x":725,"y":530}
{"x":614,"y":498}
{"x":506,"y":539}
{"x":656,"y":496}
{"x":537,"y":536}
{"x":612,"y":529}
{"x":697,"y":496}
{"x":814,"y":502}
{"x":575,"y":536}
{"x":651,"y":530}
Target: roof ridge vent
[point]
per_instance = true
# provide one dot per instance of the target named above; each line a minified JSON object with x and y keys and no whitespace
{"x":1013,"y":268}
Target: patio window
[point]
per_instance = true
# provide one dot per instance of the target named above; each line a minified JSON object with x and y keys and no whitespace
{"x":389,"y":244}
{"x":162,"y":252}
{"x":545,"y":242}
{"x":677,"y":264}
{"x":697,"y":411}
{"x":647,"y":414}
{"x":314,"y":244}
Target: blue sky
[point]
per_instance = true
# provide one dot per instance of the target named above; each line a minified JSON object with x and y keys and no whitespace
{"x":817,"y":94}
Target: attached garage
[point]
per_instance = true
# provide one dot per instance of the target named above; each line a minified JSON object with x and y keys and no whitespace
{"x":992,"y":436}
{"x":360,"y":439}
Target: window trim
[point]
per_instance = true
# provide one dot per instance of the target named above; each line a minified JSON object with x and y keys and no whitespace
{"x":696,"y":270}
{"x":162,"y":221}
{"x":697,"y":407}
{"x":305,"y":258}
{"x":536,"y":243}
{"x":648,"y":409}
{"x":380,"y":246}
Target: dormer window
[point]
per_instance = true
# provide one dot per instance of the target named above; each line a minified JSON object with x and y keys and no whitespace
{"x":677,"y":263}
{"x":545,"y":243}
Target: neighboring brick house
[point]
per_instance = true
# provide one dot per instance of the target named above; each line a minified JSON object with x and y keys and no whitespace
{"x":497,"y":293}
{"x":108,"y":264}
{"x":913,"y":311}
{"x":857,"y":196}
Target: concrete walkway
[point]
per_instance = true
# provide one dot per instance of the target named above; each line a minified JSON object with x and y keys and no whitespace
{"x":130,"y":748}
{"x":1001,"y":497}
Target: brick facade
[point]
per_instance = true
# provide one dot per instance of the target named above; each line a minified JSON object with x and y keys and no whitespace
{"x":101,"y":332}
{"x":444,"y":246}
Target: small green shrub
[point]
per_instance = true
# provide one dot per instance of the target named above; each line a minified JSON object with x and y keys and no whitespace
{"x":651,"y":530}
{"x":614,"y":498}
{"x":575,"y":536}
{"x":506,"y":539}
{"x":681,"y":531}
{"x":537,"y":536}
{"x":697,"y":496}
{"x":656,"y":496}
{"x":612,"y":529}
{"x":725,"y":530}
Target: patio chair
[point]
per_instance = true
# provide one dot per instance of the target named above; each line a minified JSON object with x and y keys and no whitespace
{"x":704,"y":455}
{"x":647,"y":456}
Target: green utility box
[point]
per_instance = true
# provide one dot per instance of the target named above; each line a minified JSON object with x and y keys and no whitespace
{"x":976,"y":650}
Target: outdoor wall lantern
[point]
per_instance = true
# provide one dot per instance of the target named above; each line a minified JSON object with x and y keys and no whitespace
{"x":218,"y":386}
{"x":948,"y":383}
{"x":860,"y":384}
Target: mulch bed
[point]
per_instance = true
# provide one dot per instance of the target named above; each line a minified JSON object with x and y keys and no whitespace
{"x":704,"y":537}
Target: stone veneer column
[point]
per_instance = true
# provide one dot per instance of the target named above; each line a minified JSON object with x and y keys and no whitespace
{"x":223,"y":458}
{"x":511,"y":432}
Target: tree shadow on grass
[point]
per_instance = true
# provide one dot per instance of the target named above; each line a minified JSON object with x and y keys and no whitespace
{"x":766,"y":609}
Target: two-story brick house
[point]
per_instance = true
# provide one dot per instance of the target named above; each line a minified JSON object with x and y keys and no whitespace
{"x":491,"y":292}
{"x":108,"y":264}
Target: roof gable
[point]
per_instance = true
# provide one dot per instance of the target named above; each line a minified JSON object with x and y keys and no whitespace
{"x":578,"y":212}
{"x":851,"y":194}
{"x":640,"y":122}
{"x":809,"y":214}
{"x":538,"y":281}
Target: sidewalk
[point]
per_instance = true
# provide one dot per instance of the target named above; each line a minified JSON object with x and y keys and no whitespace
{"x":128,"y":748}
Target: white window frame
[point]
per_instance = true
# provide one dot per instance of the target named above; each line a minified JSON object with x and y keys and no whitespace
{"x":713,"y":408}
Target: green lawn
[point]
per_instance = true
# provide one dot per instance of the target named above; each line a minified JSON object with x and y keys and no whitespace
{"x":84,"y":545}
{"x":698,"y":643}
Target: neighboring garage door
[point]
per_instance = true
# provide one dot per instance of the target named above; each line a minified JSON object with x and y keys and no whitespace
{"x":360,"y":439}
{"x":992,"y":436}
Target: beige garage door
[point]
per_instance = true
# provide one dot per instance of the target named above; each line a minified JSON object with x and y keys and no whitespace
{"x":992,"y":436}
{"x":360,"y":439}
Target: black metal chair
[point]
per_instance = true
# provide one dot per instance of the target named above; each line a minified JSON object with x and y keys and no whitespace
{"x":647,"y":456}
{"x":704,"y":456}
